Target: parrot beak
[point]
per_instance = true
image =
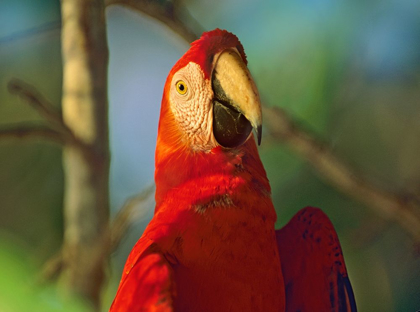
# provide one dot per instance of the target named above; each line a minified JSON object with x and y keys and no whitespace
{"x":237,"y":106}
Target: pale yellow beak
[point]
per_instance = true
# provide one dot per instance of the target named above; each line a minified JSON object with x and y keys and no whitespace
{"x":236,"y":93}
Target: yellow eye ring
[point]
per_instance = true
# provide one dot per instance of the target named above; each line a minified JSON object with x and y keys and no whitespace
{"x":181,"y":87}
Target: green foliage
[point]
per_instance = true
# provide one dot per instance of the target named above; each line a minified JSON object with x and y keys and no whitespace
{"x":19,"y":291}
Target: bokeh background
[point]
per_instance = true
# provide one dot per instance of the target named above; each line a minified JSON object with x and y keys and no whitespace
{"x":348,"y":71}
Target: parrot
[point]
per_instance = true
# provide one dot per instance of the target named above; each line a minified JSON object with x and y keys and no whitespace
{"x":211,"y":244}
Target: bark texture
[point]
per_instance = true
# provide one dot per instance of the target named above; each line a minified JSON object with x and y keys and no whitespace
{"x":86,"y":164}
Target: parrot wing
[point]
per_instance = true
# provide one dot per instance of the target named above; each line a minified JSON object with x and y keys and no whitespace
{"x":147,"y":282}
{"x":315,"y":275}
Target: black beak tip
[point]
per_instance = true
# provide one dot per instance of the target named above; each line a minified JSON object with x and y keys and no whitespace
{"x":259,"y":134}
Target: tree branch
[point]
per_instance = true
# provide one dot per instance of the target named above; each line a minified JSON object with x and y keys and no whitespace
{"x":132,"y":210}
{"x":34,"y":31}
{"x":56,"y":130}
{"x":335,"y":172}
{"x":166,"y":13}
{"x":30,"y":132}
{"x":52,"y":268}
{"x":34,"y":98}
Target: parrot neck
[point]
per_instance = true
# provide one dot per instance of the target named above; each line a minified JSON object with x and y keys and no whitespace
{"x":203,"y":176}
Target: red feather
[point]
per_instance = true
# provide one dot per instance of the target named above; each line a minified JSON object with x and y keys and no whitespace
{"x":211,"y":245}
{"x":147,"y":281}
{"x":313,"y":265}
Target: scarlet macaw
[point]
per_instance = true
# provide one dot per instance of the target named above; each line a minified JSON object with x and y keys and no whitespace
{"x":211,"y":245}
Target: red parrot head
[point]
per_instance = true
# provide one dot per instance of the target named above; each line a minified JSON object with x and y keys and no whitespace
{"x":210,"y":98}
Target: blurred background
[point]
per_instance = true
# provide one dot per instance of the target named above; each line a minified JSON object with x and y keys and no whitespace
{"x":348,"y":71}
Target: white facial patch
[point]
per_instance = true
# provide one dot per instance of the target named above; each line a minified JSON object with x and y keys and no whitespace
{"x":193,"y":109}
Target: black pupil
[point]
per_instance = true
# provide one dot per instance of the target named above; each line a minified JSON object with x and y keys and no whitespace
{"x":181,"y":87}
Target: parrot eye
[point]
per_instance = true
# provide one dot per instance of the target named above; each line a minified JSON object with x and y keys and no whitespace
{"x":181,"y":87}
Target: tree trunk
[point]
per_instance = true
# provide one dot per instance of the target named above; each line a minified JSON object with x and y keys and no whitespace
{"x":86,"y":164}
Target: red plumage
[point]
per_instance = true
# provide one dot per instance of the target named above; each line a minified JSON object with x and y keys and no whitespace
{"x":211,"y":245}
